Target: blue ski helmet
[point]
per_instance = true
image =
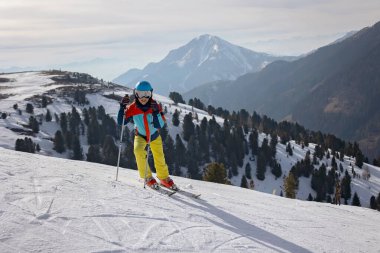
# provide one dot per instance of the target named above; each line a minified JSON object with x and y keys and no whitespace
{"x":143,"y":86}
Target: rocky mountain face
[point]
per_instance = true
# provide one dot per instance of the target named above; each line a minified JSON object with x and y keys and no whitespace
{"x":335,"y":89}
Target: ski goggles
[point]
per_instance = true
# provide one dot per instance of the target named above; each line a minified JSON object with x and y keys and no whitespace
{"x":143,"y":93}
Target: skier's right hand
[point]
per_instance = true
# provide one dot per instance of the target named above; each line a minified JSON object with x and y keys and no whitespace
{"x":124,"y":101}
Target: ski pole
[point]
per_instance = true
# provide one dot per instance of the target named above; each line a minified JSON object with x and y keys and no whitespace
{"x":121,"y":139}
{"x":147,"y":163}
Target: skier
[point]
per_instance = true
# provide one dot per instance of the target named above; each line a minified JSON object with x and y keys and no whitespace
{"x":148,"y":119}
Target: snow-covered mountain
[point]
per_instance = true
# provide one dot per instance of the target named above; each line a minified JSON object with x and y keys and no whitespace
{"x":28,"y":87}
{"x":204,"y":59}
{"x":49,"y":204}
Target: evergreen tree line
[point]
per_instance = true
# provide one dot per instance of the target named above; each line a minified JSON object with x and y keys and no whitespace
{"x":322,"y":182}
{"x":101,"y":130}
{"x":27,"y":145}
{"x":287,"y":131}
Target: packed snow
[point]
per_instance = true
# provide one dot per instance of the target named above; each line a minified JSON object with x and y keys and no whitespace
{"x":56,"y":205}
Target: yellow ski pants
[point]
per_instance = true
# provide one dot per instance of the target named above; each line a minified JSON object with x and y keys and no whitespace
{"x":158,"y":156}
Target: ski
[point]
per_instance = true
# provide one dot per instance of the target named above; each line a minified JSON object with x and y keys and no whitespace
{"x":182,"y":192}
{"x":163,"y":191}
{"x":188,"y":194}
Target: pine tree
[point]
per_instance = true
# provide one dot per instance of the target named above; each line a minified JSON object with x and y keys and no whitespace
{"x":101,"y":112}
{"x":290,"y":186}
{"x":93,"y":154}
{"x":20,"y":145}
{"x":59,"y":144}
{"x":44,"y":102}
{"x":319,"y":183}
{"x":33,"y":124}
{"x":169,"y":153}
{"x":68,"y":139}
{"x":289,"y":149}
{"x":215,"y":172}
{"x":175,"y":118}
{"x":356,"y":200}
{"x":48,"y":117}
{"x":373,"y":204}
{"x":180,"y":151}
{"x":77,"y":149}
{"x":253,"y":142}
{"x":273,"y":144}
{"x":74,"y":121}
{"x":359,"y":159}
{"x":188,"y":127}
{"x":346,"y":186}
{"x":261,"y":166}
{"x":25,"y":145}
{"x":110,"y":151}
{"x":63,"y":122}
{"x":277,"y":170}
{"x":86,"y":116}
{"x":310,"y":198}
{"x":248,"y":171}
{"x":93,"y":132}
{"x":244,"y":183}
{"x":29,"y":108}
{"x":176,"y":97}
{"x":192,"y":158}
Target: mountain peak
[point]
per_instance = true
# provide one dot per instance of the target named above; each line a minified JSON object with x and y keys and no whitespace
{"x":207,"y":37}
{"x":206,"y":58}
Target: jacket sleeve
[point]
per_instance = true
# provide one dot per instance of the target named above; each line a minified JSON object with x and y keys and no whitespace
{"x":120,"y":116}
{"x":158,"y":118}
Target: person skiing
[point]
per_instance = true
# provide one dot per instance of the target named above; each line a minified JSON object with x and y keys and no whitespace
{"x":148,"y":119}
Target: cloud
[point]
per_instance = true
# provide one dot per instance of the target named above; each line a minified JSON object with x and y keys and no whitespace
{"x":40,"y":32}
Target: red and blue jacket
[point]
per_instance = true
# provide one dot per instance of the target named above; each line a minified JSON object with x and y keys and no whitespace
{"x":147,"y":118}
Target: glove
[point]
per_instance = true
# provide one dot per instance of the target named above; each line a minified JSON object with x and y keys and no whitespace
{"x":124,"y":101}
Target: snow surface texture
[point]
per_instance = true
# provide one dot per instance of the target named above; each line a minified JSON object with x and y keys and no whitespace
{"x":57,"y":205}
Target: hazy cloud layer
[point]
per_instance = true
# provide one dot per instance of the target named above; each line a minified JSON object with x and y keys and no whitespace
{"x":132,"y":33}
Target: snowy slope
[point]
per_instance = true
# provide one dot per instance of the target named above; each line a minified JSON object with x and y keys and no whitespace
{"x":58,"y":205}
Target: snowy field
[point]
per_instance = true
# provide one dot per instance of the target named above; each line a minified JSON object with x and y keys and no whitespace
{"x":56,"y":205}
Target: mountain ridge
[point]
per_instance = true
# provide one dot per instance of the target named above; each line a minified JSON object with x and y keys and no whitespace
{"x":292,"y":86}
{"x":205,"y":58}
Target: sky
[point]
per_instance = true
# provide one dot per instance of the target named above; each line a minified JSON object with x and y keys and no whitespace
{"x":108,"y":37}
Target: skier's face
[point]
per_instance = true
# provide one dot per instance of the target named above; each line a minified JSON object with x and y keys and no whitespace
{"x":143,"y":100}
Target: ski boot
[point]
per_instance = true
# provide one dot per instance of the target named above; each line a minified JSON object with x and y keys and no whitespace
{"x":152,"y":183}
{"x":168,"y":183}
